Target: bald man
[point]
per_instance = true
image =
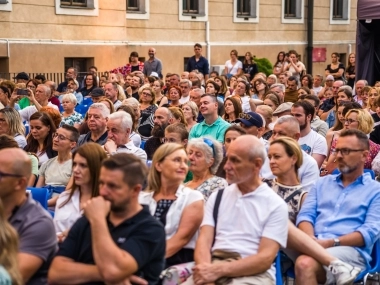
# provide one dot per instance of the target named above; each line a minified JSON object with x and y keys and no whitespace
{"x":34,"y":225}
{"x":250,"y":200}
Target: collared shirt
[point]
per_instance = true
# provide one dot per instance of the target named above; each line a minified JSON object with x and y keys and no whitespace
{"x":216,"y":130}
{"x":154,"y":65}
{"x":335,"y":210}
{"x":35,"y":228}
{"x":87,"y":138}
{"x":201,"y":65}
{"x":131,"y":148}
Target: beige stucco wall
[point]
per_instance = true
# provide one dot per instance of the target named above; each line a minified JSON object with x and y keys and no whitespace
{"x":33,"y":24}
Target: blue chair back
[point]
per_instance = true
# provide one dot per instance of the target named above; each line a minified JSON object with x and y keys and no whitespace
{"x":41,"y":195}
{"x":278,"y":269}
{"x":87,"y":101}
{"x":374,"y":264}
{"x":142,"y":144}
{"x":370,"y":171}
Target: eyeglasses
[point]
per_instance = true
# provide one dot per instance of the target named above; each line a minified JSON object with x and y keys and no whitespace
{"x":146,"y":94}
{"x":60,"y":137}
{"x":350,"y":121}
{"x":3,"y":174}
{"x":210,"y":144}
{"x":345,"y":151}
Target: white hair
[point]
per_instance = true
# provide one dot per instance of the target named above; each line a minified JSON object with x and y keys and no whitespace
{"x":102,"y":108}
{"x":126,"y":119}
{"x":71,"y":97}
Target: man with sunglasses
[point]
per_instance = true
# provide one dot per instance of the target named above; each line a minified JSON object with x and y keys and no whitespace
{"x":346,"y":219}
{"x":56,"y":172}
{"x":34,"y":225}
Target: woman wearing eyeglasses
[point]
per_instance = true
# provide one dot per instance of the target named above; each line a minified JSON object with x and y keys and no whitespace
{"x":233,"y":66}
{"x":86,"y":163}
{"x":178,"y":208}
{"x":205,"y":155}
{"x":40,"y":140}
{"x":57,"y":170}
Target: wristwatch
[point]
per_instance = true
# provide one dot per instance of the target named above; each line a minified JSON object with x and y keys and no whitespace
{"x":336,"y":242}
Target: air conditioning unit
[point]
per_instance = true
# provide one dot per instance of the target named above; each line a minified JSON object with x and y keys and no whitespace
{"x":217,"y":68}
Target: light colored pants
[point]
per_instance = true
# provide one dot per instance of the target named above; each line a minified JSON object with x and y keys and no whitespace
{"x":260,"y":279}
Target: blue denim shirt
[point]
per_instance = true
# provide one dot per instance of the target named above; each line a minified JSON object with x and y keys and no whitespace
{"x":335,"y":210}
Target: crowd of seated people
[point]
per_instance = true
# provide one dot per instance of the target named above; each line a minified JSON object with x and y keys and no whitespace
{"x":217,"y":172}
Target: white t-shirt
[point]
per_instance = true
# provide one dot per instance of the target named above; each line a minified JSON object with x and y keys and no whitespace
{"x":55,"y":173}
{"x":308,"y":172}
{"x":245,"y":104}
{"x":67,"y":215}
{"x":131,"y":148}
{"x":30,"y":110}
{"x":317,"y":89}
{"x":185,"y":196}
{"x":313,"y":143}
{"x":233,"y":68}
{"x":184,"y":100}
{"x":244,"y":219}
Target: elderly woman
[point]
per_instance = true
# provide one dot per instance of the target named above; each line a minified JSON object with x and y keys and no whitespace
{"x":205,"y":155}
{"x":11,"y":124}
{"x":69,"y":115}
{"x":191,"y":111}
{"x":178,"y":208}
{"x":285,"y":158}
{"x":147,"y":100}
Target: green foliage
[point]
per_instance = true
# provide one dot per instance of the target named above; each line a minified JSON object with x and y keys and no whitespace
{"x":264,"y":65}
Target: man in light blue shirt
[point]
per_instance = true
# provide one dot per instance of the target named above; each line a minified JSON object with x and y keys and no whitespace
{"x":342,"y":212}
{"x":213,"y":125}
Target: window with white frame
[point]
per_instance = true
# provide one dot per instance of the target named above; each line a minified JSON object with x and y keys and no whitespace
{"x":77,"y":7}
{"x":138,"y":9}
{"x":193,"y":10}
{"x":246,"y":11}
{"x":292,"y":11}
{"x":5,"y":5}
{"x":340,"y":11}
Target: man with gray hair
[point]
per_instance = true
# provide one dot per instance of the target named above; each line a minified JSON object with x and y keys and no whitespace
{"x":195,"y":96}
{"x":359,"y":85}
{"x":119,"y":126}
{"x":98,"y":114}
{"x":39,"y":99}
{"x":185,"y":85}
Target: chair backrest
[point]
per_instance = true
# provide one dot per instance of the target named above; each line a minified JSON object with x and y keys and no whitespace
{"x":278,"y":269}
{"x":370,"y":171}
{"x":40,"y":195}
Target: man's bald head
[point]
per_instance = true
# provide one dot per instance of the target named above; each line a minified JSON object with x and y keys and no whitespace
{"x":15,"y":161}
{"x":249,"y":146}
{"x":287,"y":126}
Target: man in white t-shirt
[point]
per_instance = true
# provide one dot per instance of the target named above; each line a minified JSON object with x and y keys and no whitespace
{"x":310,"y":141}
{"x":40,"y":99}
{"x":251,"y":224}
{"x":317,"y":83}
{"x":185,"y":85}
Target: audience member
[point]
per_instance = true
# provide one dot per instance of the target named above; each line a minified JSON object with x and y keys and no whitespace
{"x":11,"y":124}
{"x":153,"y":64}
{"x":317,"y":124}
{"x":69,"y":115}
{"x":291,"y":94}
{"x":232,"y":109}
{"x":134,"y":136}
{"x":190,"y":111}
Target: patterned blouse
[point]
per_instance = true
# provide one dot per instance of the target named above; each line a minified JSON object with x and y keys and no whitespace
{"x":212,"y":184}
{"x":162,"y":210}
{"x":75,"y":118}
{"x":292,"y":195}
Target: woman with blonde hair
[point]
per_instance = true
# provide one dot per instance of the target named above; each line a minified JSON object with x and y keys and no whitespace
{"x":11,"y":124}
{"x":190,"y":111}
{"x":178,"y":115}
{"x":373,"y":93}
{"x":178,"y":208}
{"x":108,"y":103}
{"x":9,"y":268}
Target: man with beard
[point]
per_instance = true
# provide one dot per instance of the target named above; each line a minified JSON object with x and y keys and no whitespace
{"x":346,"y":221}
{"x":136,"y":83}
{"x":71,"y":73}
{"x":116,"y":237}
{"x":161,"y":119}
{"x":310,"y":141}
{"x":291,"y":94}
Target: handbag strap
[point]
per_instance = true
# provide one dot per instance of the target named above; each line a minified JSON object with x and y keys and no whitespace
{"x":216,"y":210}
{"x":291,"y":196}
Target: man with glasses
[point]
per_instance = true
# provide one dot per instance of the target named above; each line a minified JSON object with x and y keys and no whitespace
{"x":119,"y":126}
{"x":198,"y":62}
{"x":34,"y":225}
{"x":213,"y":125}
{"x":56,"y":172}
{"x":346,"y":221}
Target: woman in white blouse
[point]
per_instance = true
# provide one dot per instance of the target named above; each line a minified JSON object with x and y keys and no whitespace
{"x":87,"y":161}
{"x":233,"y":66}
{"x":178,"y":208}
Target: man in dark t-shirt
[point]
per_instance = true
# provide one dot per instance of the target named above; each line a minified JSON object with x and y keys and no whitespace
{"x":117,"y":239}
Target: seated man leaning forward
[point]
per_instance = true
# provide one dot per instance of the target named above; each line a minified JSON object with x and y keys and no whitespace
{"x":346,"y":219}
{"x":251,"y":225}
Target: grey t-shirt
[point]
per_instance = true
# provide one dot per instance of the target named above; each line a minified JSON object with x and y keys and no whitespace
{"x":56,"y":174}
{"x":35,"y":228}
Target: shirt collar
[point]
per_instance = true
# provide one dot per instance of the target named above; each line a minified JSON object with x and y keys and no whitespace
{"x":362,"y":179}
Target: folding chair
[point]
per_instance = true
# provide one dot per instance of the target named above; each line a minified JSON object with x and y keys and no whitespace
{"x":278,"y":269}
{"x":374,"y":269}
{"x":40,"y":195}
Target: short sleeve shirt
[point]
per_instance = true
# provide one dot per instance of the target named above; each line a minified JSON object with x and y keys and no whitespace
{"x":55,"y":173}
{"x":215,"y":130}
{"x":141,"y":236}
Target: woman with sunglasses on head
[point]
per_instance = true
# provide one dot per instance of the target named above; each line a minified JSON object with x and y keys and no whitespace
{"x":178,"y":208}
{"x":40,"y":140}
{"x":233,"y":66}
{"x":205,"y":155}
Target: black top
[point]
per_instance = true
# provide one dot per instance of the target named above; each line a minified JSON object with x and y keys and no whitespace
{"x":250,"y":69}
{"x":141,"y":236}
{"x":201,"y":65}
{"x":351,"y":81}
{"x":375,"y":134}
{"x":151,"y":145}
{"x":340,"y":66}
{"x":136,"y":95}
{"x":85,"y":92}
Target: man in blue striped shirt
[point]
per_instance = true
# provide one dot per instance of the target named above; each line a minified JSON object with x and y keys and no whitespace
{"x":341,"y":212}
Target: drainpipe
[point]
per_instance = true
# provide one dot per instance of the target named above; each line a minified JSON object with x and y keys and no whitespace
{"x":208,"y":42}
{"x":310,"y":17}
